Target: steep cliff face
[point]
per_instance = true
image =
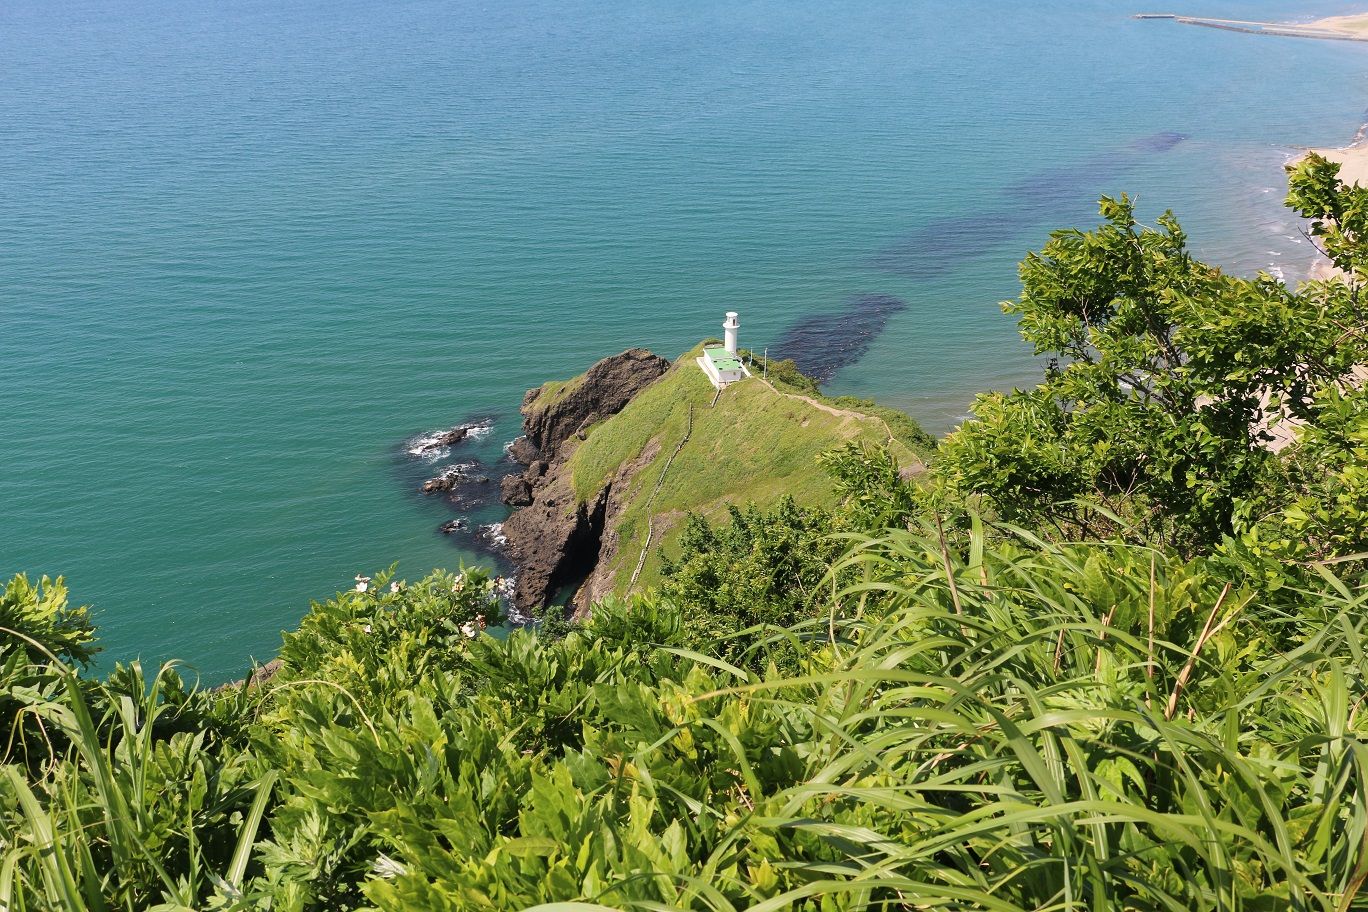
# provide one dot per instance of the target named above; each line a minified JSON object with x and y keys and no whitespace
{"x":555,"y":413}
{"x":556,"y":540}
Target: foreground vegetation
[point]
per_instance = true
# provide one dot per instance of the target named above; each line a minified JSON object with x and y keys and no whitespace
{"x":1107,"y":654}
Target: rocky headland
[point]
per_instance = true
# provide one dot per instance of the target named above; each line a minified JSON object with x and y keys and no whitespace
{"x":615,"y":459}
{"x":554,"y":538}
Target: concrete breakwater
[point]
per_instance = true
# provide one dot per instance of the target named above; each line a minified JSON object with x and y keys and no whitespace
{"x":1281,"y":29}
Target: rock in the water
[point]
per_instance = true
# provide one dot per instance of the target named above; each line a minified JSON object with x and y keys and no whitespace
{"x":455,"y":435}
{"x":431,"y":444}
{"x":439,"y":484}
{"x":455,"y":525}
{"x":824,"y":343}
{"x":515,"y":491}
{"x":449,"y":478}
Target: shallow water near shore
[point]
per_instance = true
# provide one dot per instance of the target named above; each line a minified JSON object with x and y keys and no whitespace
{"x":249,"y":249}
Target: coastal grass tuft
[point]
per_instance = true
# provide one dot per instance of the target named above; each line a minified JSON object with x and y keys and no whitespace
{"x":994,"y":723}
{"x":554,"y":391}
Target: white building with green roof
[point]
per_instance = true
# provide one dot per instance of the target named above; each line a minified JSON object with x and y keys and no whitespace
{"x":721,"y":362}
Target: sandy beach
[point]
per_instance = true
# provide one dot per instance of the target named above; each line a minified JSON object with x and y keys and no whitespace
{"x":1353,"y":162}
{"x":1353,"y":158}
{"x":1353,"y":168}
{"x":1354,"y":24}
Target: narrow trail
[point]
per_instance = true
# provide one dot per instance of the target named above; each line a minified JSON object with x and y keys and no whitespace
{"x":831,"y":409}
{"x":650,"y":518}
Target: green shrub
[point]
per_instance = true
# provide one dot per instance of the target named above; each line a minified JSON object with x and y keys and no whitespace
{"x":38,"y":619}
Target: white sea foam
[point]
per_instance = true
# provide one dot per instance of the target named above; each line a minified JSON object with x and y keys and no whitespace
{"x":493,"y":533}
{"x":503,"y":591}
{"x":427,"y":447}
{"x":1277,"y":273}
{"x":504,"y":587}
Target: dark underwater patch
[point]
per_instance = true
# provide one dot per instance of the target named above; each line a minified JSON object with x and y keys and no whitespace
{"x":942,"y":246}
{"x":824,"y":343}
{"x":1158,"y":142}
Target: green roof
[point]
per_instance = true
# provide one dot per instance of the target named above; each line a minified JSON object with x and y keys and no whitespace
{"x":723,"y":359}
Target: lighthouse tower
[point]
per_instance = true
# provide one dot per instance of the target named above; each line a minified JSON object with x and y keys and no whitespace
{"x":729,"y":327}
{"x":722,"y":364}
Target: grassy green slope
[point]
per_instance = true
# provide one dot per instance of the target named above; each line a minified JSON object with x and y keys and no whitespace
{"x":554,"y":391}
{"x":755,"y":445}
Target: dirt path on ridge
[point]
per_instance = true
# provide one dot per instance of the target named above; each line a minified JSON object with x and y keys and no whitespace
{"x":842,"y":413}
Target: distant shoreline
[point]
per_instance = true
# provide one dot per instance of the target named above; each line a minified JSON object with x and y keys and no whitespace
{"x":1353,"y":162}
{"x":1353,"y":27}
{"x":1353,"y":158}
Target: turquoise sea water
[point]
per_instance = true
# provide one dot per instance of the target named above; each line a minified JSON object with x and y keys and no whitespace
{"x":250,"y":247}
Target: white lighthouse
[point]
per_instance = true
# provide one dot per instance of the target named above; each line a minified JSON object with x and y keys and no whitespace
{"x":729,"y":327}
{"x":721,"y":363}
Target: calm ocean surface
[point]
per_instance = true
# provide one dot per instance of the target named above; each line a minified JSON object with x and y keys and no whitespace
{"x":250,"y":247}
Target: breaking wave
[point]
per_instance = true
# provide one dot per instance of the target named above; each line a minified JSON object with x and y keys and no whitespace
{"x":493,"y":535}
{"x":436,"y":445}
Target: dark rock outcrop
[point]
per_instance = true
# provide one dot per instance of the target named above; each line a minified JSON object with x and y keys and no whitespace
{"x":440,"y":440}
{"x":515,"y":490}
{"x":439,"y":484}
{"x":454,"y":476}
{"x":556,"y":541}
{"x":553,"y":416}
{"x":455,"y":435}
{"x":266,"y":672}
{"x":262,"y":674}
{"x":523,"y":450}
